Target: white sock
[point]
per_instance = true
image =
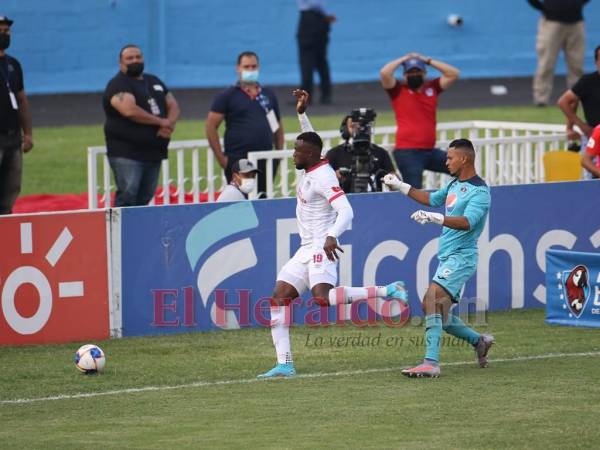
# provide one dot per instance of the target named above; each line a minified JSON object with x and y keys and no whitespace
{"x":381,"y":291}
{"x":280,"y":331}
{"x":349,"y":294}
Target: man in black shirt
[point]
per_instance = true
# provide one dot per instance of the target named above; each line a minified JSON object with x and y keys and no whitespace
{"x":140,"y":117}
{"x":14,"y":118}
{"x":586,"y":91}
{"x":313,"y":37}
{"x":252,"y":120}
{"x":560,"y":28}
{"x":341,"y":159}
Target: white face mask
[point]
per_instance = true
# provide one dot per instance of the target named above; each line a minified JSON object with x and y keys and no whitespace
{"x":247,"y":185}
{"x":249,"y":76}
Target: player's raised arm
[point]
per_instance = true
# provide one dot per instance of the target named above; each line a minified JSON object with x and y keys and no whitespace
{"x":436,"y":198}
{"x":301,"y":105}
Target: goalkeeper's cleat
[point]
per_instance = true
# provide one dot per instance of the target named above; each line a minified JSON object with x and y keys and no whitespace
{"x":397,"y":291}
{"x":482,"y":348}
{"x":428,"y":369}
{"x":280,"y":370}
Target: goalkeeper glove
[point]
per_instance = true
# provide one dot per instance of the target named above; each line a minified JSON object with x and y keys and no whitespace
{"x":424,"y":217}
{"x":394,"y":183}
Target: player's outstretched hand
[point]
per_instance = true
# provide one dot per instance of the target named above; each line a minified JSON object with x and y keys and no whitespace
{"x":330,"y":247}
{"x":424,"y":217}
{"x":301,"y":100}
{"x":395,"y":183}
{"x":392,"y":181}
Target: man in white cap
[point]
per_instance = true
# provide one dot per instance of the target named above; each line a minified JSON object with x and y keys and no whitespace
{"x":242,"y":183}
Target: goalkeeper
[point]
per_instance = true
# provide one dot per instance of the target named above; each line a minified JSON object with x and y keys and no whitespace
{"x":467,"y":200}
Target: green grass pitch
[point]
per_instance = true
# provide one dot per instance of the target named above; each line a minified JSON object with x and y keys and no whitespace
{"x":198,"y":391}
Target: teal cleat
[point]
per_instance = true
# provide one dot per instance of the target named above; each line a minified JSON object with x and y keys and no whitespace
{"x":280,"y":370}
{"x":397,"y":291}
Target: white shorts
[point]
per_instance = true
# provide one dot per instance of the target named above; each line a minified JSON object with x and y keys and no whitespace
{"x":307,"y":268}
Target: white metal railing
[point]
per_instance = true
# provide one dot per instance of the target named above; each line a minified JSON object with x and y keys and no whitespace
{"x":508,"y":153}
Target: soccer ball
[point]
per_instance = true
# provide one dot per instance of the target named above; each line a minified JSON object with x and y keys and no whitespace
{"x":89,"y":359}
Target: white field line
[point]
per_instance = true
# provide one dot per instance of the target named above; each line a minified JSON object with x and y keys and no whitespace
{"x":343,"y":373}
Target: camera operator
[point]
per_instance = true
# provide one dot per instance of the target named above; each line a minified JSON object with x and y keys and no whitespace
{"x":359,"y":163}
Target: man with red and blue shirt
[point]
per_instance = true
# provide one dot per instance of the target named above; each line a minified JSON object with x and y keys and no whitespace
{"x":591,"y":153}
{"x":414,"y":100}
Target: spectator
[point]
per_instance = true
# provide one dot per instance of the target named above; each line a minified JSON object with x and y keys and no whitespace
{"x":414,"y":101}
{"x":586,"y":91}
{"x":242,"y":182}
{"x":252,"y":120}
{"x":342,"y":156}
{"x":592,"y":151}
{"x":560,"y":27}
{"x":313,"y":37}
{"x":140,"y":117}
{"x":14,"y":119}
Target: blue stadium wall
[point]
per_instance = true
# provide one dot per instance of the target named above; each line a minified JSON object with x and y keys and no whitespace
{"x":72,"y":45}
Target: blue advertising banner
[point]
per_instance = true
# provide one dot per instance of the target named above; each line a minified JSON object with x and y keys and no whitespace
{"x":178,"y":262}
{"x":573,"y":287}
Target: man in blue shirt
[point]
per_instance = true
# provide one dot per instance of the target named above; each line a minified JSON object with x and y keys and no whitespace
{"x":252,"y":120}
{"x":467,"y":200}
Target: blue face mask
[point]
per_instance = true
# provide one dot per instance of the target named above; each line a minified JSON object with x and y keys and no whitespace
{"x":249,"y":76}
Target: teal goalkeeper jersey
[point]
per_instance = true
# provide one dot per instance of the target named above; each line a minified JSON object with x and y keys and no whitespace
{"x":471,"y":199}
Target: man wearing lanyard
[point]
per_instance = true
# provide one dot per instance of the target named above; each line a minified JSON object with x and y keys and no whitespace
{"x":140,"y":117}
{"x":14,"y":118}
{"x":252,"y":120}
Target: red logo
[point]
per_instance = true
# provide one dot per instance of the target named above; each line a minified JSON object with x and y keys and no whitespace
{"x":336,"y":189}
{"x":451,"y":201}
{"x":54,"y":278}
{"x":577,"y":289}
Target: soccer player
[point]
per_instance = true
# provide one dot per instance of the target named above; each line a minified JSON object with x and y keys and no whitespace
{"x":323,"y":213}
{"x":467,"y":200}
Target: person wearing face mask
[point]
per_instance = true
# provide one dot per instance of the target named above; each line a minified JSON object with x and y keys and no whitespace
{"x":243,"y":180}
{"x":141,"y":114}
{"x":15,"y":122}
{"x":252,"y":120}
{"x":414,"y":100}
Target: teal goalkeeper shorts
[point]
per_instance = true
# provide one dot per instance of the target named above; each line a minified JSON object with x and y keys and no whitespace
{"x":453,"y":272}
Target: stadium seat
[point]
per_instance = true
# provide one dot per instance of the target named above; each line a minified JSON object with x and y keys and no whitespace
{"x":562,"y":165}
